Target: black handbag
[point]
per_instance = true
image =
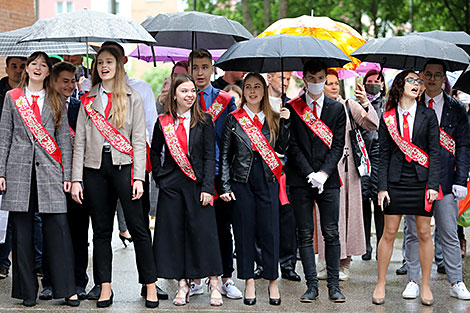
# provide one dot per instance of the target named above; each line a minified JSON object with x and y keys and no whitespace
{"x":358,"y":146}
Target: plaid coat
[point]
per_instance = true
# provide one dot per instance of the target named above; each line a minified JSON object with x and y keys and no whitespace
{"x":19,"y":152}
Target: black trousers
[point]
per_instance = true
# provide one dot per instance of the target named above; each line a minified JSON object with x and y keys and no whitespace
{"x":256,"y":217}
{"x":102,"y":188}
{"x":302,"y":199}
{"x":367,"y":217}
{"x":57,"y":251}
{"x":185,"y":240}
{"x":223,"y":215}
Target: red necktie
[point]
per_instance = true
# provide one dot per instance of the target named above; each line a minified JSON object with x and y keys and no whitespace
{"x":257,"y":122}
{"x":181,"y":134}
{"x":431,"y":103}
{"x":406,"y":131}
{"x":315,"y":109}
{"x":107,"y":110}
{"x":35,"y":108}
{"x":202,"y":101}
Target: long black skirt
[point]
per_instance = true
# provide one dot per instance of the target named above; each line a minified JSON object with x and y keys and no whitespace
{"x":408,"y":196}
{"x":185,"y":243}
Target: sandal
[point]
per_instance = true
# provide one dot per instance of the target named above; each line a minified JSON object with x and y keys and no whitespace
{"x":180,"y":301}
{"x":215,"y":301}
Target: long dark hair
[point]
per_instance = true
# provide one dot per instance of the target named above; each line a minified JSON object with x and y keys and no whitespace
{"x":268,"y":111}
{"x":51,"y":93}
{"x":197,"y":114}
{"x":396,"y":91}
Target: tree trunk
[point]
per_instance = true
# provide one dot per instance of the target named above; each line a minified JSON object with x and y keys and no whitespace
{"x":247,"y":16}
{"x":283,"y":8}
{"x":373,"y":9}
{"x":267,"y":13}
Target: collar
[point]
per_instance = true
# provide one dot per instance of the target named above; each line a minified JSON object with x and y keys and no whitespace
{"x":437,"y":99}
{"x":260,"y":115}
{"x":320,"y":100}
{"x":412,"y":110}
{"x":41,"y":93}
{"x":102,"y":90}
{"x":208,"y":90}
{"x":186,"y":115}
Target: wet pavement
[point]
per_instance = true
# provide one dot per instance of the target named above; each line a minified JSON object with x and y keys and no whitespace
{"x":358,"y":291}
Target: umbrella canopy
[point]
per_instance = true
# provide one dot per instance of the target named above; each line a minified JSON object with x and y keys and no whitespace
{"x":9,"y":46}
{"x":461,"y":39}
{"x":164,"y":54}
{"x":87,"y":25}
{"x":346,"y":38}
{"x":463,"y":83}
{"x":192,"y":30}
{"x":279,"y":53}
{"x":412,"y":52}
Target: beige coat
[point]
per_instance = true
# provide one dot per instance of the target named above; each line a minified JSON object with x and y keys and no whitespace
{"x":88,"y":143}
{"x":351,"y":225}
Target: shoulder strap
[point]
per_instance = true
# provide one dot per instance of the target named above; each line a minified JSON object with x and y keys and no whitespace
{"x":351,"y":119}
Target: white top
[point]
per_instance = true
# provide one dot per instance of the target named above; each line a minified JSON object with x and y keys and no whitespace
{"x":320,"y":100}
{"x":104,"y":103}
{"x":260,"y":115}
{"x":276,"y":103}
{"x":410,"y":119}
{"x":186,"y":123}
{"x":41,"y":94}
{"x":438,"y":104}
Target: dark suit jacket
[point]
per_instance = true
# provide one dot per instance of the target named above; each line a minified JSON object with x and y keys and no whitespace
{"x":425,"y":136}
{"x":307,"y":153}
{"x":72,"y":112}
{"x":454,"y":170}
{"x":201,"y":154}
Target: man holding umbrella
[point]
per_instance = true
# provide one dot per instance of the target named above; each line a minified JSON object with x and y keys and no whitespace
{"x":317,"y":132}
{"x":455,"y":162}
{"x":218,"y":104}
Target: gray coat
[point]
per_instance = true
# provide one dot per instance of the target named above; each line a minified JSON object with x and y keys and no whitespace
{"x":19,"y":152}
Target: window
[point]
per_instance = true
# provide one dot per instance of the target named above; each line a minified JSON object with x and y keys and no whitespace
{"x":64,"y":7}
{"x":69,"y":6}
{"x":60,"y":7}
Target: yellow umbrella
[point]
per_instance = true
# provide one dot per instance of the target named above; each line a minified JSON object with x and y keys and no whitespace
{"x":346,"y":38}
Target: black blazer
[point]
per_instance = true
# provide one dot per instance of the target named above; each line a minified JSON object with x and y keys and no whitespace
{"x":201,"y":154}
{"x":308,"y":153}
{"x":454,"y":170}
{"x":72,"y":112}
{"x":425,"y":136}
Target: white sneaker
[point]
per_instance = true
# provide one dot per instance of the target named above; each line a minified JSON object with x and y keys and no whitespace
{"x":343,"y":274}
{"x":230,"y":290}
{"x":322,"y":275}
{"x":459,"y":291}
{"x":196,"y":289}
{"x":411,"y":291}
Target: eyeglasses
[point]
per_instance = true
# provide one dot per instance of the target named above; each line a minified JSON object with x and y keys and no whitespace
{"x":412,"y":81}
{"x":437,"y":76}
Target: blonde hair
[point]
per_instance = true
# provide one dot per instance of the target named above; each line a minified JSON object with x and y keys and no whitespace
{"x":51,"y":94}
{"x":119,"y":86}
{"x":271,"y":117}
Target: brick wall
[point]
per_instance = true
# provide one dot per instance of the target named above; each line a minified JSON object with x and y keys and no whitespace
{"x":15,"y":14}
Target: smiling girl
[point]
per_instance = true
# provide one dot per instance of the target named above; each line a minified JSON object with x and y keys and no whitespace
{"x":35,"y":171}
{"x":109,"y":159}
{"x":185,"y":244}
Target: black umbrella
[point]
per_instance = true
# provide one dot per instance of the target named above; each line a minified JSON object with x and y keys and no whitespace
{"x":461,"y":39}
{"x":412,"y":52}
{"x":463,"y":83}
{"x":279,"y":53}
{"x":193,"y":30}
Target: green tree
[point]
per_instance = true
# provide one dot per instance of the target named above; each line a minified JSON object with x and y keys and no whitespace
{"x":155,"y":78}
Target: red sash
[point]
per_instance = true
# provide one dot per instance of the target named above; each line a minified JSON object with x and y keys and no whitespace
{"x":111,"y":134}
{"x":264,"y":149}
{"x":315,"y":124}
{"x":176,"y":151}
{"x":220,"y":103}
{"x":38,"y":130}
{"x":447,"y":142}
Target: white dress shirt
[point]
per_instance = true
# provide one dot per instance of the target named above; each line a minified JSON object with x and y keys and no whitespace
{"x":438,"y":104}
{"x":260,"y":115}
{"x":276,"y":103}
{"x":319,"y":103}
{"x":186,"y":123}
{"x":41,"y":94}
{"x":410,"y":119}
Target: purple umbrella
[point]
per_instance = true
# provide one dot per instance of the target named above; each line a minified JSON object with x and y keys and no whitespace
{"x":163,"y":54}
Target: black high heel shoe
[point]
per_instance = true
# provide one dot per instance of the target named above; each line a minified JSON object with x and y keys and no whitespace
{"x":273,"y":301}
{"x":105,"y":303}
{"x":123,"y":239}
{"x":249,"y":301}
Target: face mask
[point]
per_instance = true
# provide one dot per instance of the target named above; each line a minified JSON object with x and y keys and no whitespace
{"x":315,"y":88}
{"x":373,"y":89}
{"x":464,"y":98}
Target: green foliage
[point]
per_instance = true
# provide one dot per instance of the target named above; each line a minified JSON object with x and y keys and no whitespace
{"x":155,"y":78}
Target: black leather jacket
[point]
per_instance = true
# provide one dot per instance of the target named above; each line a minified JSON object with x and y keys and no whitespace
{"x":236,"y":155}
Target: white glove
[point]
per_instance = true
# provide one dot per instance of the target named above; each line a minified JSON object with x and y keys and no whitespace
{"x":320,"y":177}
{"x":460,"y":192}
{"x":311,"y":180}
